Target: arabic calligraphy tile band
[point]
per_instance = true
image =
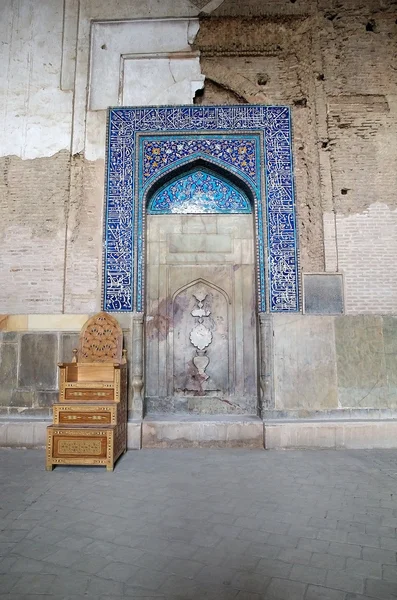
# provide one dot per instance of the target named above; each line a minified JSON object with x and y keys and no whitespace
{"x":251,"y":144}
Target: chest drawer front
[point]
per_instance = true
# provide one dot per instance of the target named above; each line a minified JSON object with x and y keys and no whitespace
{"x":77,"y":446}
{"x":92,"y":394}
{"x":84,"y":418}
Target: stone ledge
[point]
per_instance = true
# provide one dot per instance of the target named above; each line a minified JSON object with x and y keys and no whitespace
{"x":225,"y":432}
{"x":24,"y":433}
{"x":202,"y":432}
{"x":349,"y":434}
{"x":343,"y":414}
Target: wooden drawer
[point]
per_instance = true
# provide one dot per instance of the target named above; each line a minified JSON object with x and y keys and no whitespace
{"x":84,"y":446}
{"x":81,"y":415}
{"x":77,"y":395}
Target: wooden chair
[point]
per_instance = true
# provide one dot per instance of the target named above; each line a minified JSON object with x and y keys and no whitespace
{"x":90,"y":419}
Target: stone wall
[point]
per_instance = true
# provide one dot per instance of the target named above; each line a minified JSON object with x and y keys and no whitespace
{"x":331,"y":367}
{"x":29,"y":355}
{"x":325,"y":366}
{"x":331,"y":63}
{"x":28,"y":371}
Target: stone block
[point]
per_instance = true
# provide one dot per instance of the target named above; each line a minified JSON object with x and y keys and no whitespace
{"x":22,"y":398}
{"x":46,"y":398}
{"x":16,"y":323}
{"x":199,"y":224}
{"x":304,"y":362}
{"x":227,"y":432}
{"x":38,"y":361}
{"x":361,"y":365}
{"x":351,"y":435}
{"x":23,"y":433}
{"x":390,"y":342}
{"x":8,"y":371}
{"x":238,"y":226}
{"x":28,"y":412}
{"x":199,"y":243}
{"x":299,"y":435}
{"x":134,"y":434}
{"x":8,"y":336}
{"x":69,"y":341}
{"x":323,"y":293}
{"x":62,"y":322}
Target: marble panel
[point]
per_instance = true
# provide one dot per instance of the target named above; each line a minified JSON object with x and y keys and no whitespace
{"x":232,"y":370}
{"x":161,"y":80}
{"x":113,"y":40}
{"x":210,"y":318}
{"x":304,"y":362}
{"x":323,"y":293}
{"x":361,"y":364}
{"x":38,"y":361}
{"x":390,"y":342}
{"x":69,"y":341}
{"x":8,"y":371}
{"x":199,"y":224}
{"x":199,"y":243}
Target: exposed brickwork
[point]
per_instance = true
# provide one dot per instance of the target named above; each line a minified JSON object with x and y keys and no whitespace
{"x":333,"y":63}
{"x":33,"y":198}
{"x":367,"y":250}
{"x":256,"y":61}
{"x":83,"y":254}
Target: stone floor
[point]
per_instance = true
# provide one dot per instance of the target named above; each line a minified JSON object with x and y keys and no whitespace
{"x":193,"y":524}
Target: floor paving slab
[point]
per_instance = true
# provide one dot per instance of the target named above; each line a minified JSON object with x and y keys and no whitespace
{"x":201,"y":524}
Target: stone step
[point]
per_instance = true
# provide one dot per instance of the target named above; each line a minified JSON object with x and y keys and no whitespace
{"x":217,"y":431}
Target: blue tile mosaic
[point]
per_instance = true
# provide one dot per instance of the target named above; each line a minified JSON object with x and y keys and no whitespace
{"x":198,"y":192}
{"x":238,"y":152}
{"x":251,"y":142}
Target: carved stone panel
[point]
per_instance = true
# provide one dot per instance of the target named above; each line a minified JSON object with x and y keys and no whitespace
{"x":201,"y":341}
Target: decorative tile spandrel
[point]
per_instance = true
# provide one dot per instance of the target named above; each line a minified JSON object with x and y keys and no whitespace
{"x":199,"y":192}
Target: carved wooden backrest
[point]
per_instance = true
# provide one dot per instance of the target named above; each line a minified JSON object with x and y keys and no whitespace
{"x":101,"y":340}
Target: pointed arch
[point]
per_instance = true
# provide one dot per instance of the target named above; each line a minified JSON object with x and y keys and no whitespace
{"x":204,"y":282}
{"x":200,"y":162}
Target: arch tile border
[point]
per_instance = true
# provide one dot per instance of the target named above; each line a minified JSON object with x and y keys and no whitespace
{"x":124,"y":217}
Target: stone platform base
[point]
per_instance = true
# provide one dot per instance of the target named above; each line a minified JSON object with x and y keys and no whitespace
{"x":226,"y":432}
{"x":23,"y":433}
{"x":331,"y":434}
{"x":202,"y":432}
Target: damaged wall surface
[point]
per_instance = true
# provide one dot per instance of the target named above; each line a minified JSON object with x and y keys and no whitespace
{"x":334,"y":64}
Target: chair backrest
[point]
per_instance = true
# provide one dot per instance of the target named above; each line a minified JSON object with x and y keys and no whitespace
{"x":101,"y":340}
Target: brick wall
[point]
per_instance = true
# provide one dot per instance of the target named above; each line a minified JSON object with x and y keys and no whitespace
{"x":367,"y":251}
{"x":33,"y":197}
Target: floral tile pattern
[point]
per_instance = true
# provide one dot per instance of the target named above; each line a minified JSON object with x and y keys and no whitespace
{"x":237,"y":152}
{"x":198,"y":192}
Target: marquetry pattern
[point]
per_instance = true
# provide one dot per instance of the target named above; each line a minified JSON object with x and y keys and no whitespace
{"x":101,"y":340}
{"x":90,"y":419}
